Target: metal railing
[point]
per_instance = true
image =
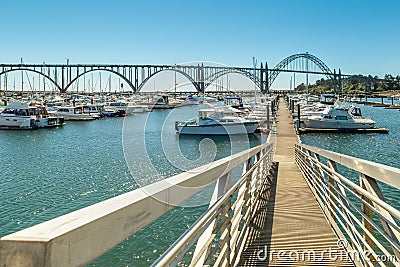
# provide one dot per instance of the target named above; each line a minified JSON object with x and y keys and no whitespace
{"x":218,"y":237}
{"x":366,"y":224}
{"x":77,"y":238}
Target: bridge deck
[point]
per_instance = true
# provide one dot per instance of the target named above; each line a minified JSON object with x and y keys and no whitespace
{"x":289,"y":228}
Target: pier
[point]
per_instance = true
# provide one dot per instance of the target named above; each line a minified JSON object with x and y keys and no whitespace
{"x":322,"y":130}
{"x":292,"y":206}
{"x":291,"y":219}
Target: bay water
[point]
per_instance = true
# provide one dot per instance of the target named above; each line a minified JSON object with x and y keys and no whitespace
{"x":49,"y":172}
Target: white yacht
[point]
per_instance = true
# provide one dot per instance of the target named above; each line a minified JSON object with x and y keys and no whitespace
{"x":215,"y":122}
{"x":78,"y":113}
{"x":44,"y":119}
{"x":128,"y":107}
{"x":161,"y":102}
{"x":339,"y":118}
{"x":18,"y":115}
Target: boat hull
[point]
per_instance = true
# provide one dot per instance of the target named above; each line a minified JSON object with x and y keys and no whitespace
{"x":50,"y":122}
{"x":217,"y":129}
{"x":334,"y":124}
{"x":11,"y":122}
{"x":77,"y":117}
{"x":129,"y":109}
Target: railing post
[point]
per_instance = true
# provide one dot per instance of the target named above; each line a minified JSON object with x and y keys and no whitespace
{"x":227,"y":226}
{"x":331,"y":182}
{"x":221,"y":187}
{"x":321,"y":176}
{"x":372,"y":186}
{"x":345,"y":206}
{"x":367,"y":226}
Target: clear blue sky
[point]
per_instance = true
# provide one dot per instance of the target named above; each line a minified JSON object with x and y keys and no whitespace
{"x":356,"y":36}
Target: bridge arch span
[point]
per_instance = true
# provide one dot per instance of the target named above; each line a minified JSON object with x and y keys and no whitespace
{"x":221,"y":73}
{"x":195,"y":84}
{"x":100,"y":69}
{"x":35,"y":71}
{"x":286,"y":61}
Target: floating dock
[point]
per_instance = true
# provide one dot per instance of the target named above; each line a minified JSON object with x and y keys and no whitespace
{"x":318,"y":130}
{"x":289,"y":218}
{"x":378,"y":104}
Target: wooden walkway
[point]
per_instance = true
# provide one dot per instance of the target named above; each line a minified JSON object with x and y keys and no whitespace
{"x":289,"y":228}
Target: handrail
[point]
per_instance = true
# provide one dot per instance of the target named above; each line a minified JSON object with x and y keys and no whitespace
{"x":355,"y":210}
{"x":180,"y":244}
{"x":79,"y":237}
{"x":383,"y":173}
{"x":176,"y":252}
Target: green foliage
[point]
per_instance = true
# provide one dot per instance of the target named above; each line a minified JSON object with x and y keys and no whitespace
{"x":354,"y":84}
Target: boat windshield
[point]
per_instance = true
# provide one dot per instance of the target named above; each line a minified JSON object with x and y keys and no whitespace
{"x":210,"y":113}
{"x":356,"y":112}
{"x":20,"y":112}
{"x":9,"y":111}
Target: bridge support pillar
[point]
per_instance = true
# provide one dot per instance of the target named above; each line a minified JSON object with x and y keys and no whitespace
{"x":266,"y":77}
{"x":62,"y":80}
{"x":200,"y":78}
{"x":261,"y":78}
{"x":334,"y":83}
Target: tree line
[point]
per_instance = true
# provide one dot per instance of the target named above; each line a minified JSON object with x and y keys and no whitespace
{"x":355,"y":84}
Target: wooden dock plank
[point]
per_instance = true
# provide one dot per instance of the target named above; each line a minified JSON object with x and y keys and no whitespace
{"x":289,"y":228}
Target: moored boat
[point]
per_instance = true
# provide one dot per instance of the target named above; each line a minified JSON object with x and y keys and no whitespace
{"x":127,"y":107}
{"x":161,"y":102}
{"x":339,"y":118}
{"x":78,"y":113}
{"x":214,"y":122}
{"x":44,"y":119}
{"x":19,"y":115}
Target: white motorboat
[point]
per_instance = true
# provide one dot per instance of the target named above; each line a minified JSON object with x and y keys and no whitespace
{"x":18,"y":115}
{"x":328,"y":99}
{"x":339,"y":118}
{"x":128,"y":107}
{"x":78,"y":113}
{"x":161,"y":102}
{"x":44,"y":119}
{"x":215,"y":122}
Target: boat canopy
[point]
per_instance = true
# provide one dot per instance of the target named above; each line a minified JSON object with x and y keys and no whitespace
{"x":205,"y":113}
{"x":17,"y":105}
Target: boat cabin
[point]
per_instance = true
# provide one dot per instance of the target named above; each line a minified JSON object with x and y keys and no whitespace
{"x":76,"y":110}
{"x":234,"y":101}
{"x":16,"y":109}
{"x":162,"y":99}
{"x":328,"y":99}
{"x":207,"y":113}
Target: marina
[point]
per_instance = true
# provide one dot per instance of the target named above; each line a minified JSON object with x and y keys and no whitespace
{"x":199,"y":134}
{"x":97,"y":191}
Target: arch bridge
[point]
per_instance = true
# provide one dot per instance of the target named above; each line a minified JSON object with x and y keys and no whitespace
{"x":63,"y":76}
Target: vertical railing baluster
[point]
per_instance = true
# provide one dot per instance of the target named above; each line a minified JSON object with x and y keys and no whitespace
{"x":367,"y":226}
{"x":345,"y":208}
{"x":331,"y":183}
{"x":372,"y":187}
{"x":228,"y":226}
{"x":321,"y":174}
{"x":221,"y":187}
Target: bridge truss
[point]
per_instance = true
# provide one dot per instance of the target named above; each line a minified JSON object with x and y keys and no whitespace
{"x":64,"y":76}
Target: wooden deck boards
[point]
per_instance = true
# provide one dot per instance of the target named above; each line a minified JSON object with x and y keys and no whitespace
{"x":289,"y":228}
